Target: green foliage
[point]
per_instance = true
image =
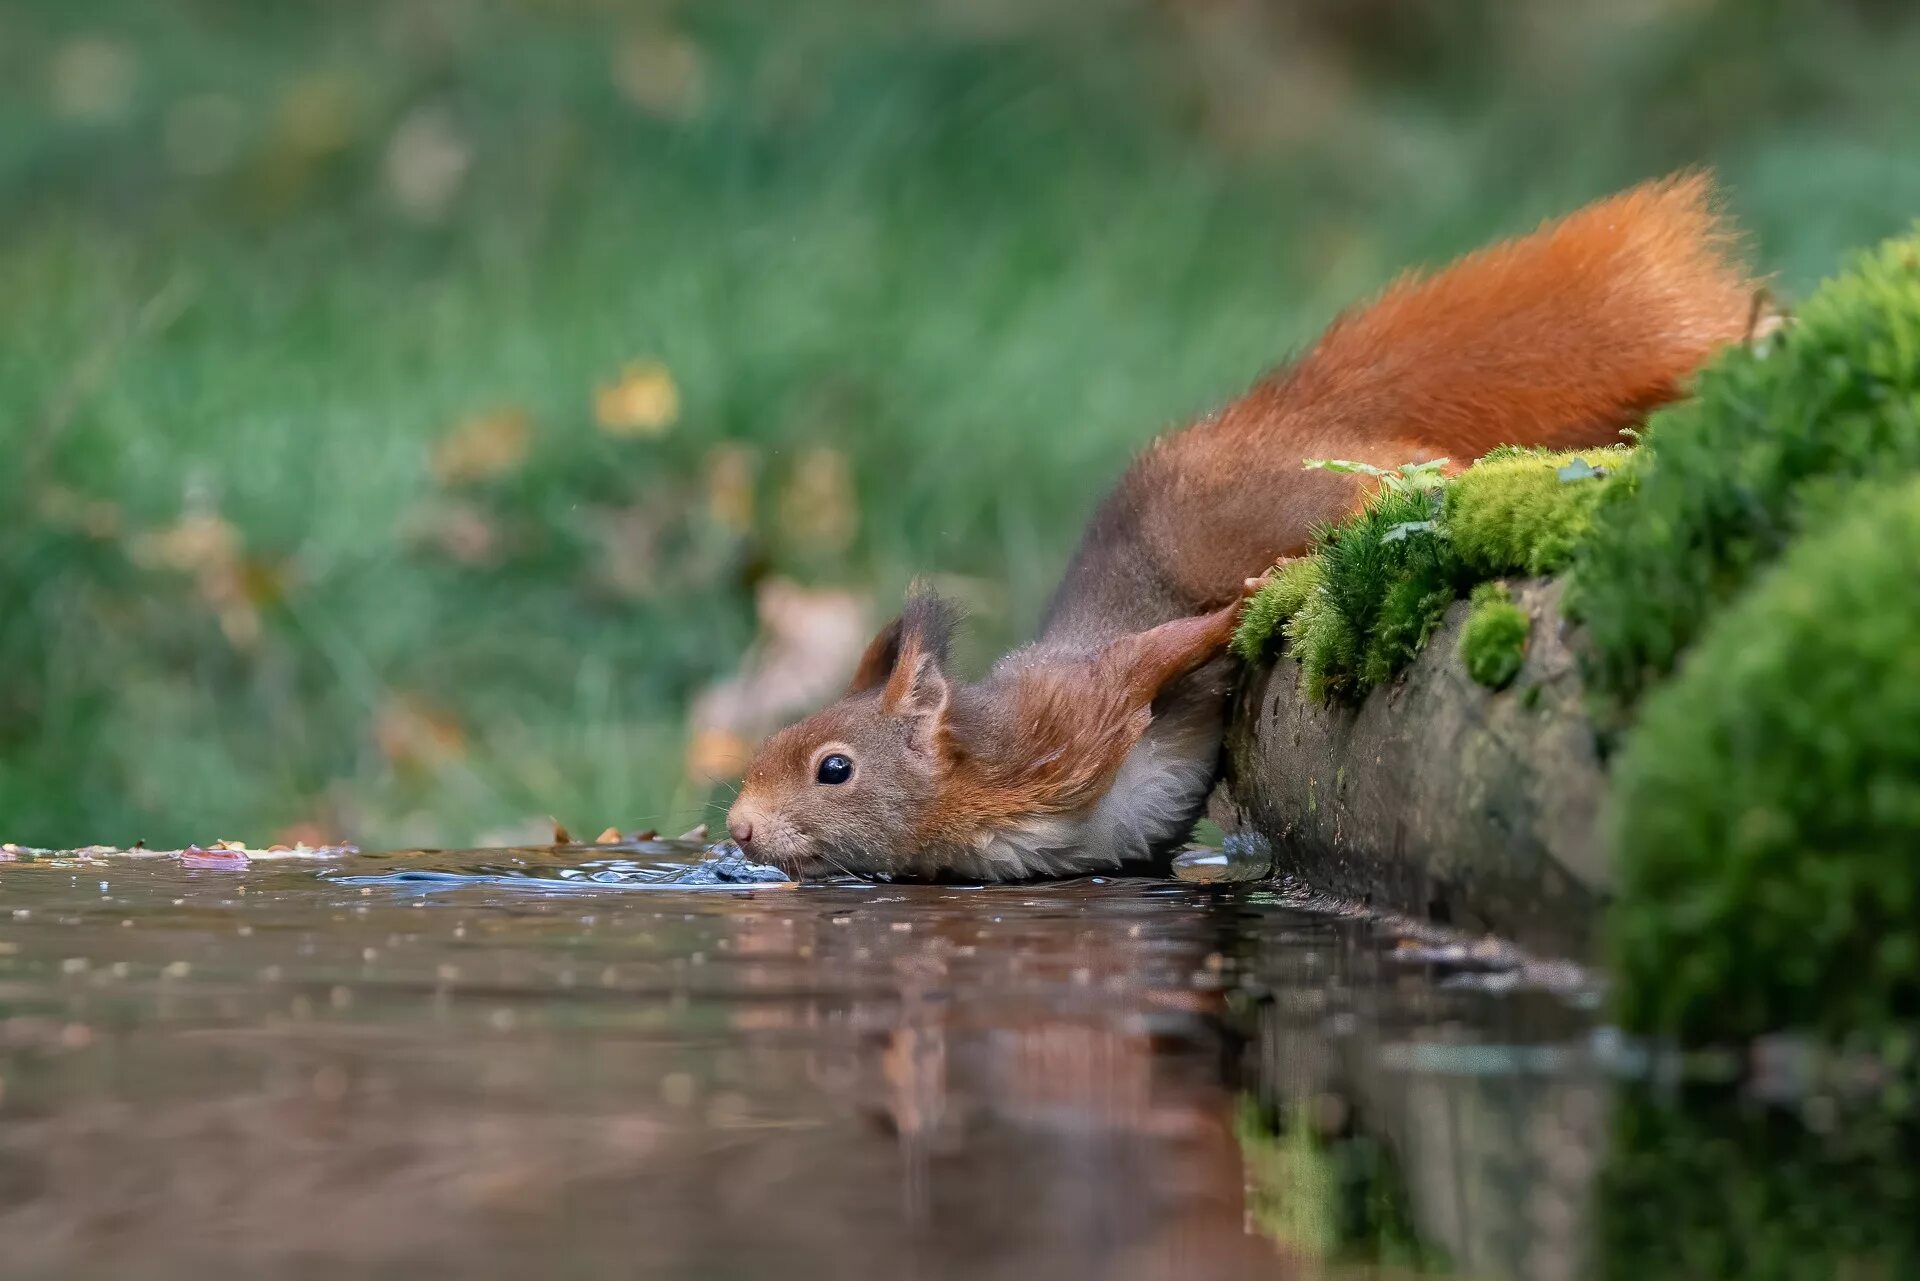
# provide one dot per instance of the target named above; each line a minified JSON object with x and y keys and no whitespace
{"x":1770,"y":444}
{"x":1407,"y":478}
{"x":1494,"y":643}
{"x":1520,"y":511}
{"x":1767,"y":803}
{"x":261,"y":260}
{"x":1707,"y":1184}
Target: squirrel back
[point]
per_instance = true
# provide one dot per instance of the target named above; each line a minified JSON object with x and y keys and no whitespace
{"x":1559,"y":338}
{"x":1096,"y":745}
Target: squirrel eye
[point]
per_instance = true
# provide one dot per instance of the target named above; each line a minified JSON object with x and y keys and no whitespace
{"x":835,"y":769}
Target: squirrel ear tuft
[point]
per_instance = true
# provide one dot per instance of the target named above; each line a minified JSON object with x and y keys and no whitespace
{"x":877,"y":663}
{"x":916,"y":687}
{"x":926,"y":624}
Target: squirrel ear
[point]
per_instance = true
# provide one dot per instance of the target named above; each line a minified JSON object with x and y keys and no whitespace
{"x":916,"y":686}
{"x":882,"y":653}
{"x":918,"y":693}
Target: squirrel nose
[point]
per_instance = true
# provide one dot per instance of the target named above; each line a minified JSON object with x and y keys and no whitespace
{"x":740,"y":829}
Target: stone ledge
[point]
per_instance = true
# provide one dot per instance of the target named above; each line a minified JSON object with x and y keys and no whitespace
{"x":1436,"y":796}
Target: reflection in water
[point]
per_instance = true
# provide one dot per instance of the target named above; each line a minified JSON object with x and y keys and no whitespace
{"x":1712,"y":1182}
{"x":507,"y":1068}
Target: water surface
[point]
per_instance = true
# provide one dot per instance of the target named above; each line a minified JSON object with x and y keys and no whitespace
{"x":524,"y":1063}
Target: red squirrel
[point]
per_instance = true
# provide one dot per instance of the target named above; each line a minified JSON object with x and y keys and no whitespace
{"x":1095,"y":746}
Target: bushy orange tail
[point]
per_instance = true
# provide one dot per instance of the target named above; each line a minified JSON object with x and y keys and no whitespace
{"x":1557,"y":338}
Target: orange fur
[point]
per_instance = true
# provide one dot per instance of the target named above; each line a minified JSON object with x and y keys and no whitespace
{"x":1558,"y":338}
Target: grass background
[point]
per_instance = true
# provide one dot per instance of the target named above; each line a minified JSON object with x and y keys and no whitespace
{"x":309,"y":520}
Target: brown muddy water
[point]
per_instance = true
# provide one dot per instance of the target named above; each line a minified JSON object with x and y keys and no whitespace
{"x":547,"y":1064}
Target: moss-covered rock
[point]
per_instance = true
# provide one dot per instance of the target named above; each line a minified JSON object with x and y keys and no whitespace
{"x":1770,"y":443}
{"x":1766,"y":807}
{"x":1368,"y":598}
{"x":1494,"y":643}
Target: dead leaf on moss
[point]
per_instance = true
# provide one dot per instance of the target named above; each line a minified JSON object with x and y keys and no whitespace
{"x":483,"y":446}
{"x":643,"y":401}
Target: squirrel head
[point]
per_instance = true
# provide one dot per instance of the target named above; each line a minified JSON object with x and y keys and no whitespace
{"x":850,"y":788}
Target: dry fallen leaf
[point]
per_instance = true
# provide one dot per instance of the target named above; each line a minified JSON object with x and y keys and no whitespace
{"x":414,"y":735}
{"x":92,"y":79}
{"x":817,"y":505}
{"x":809,"y":642}
{"x":463,"y":532}
{"x":196,"y":543}
{"x":426,"y":161}
{"x":481,"y":447}
{"x":67,"y":509}
{"x":318,"y":114}
{"x":560,"y":834}
{"x":661,"y":73}
{"x":207,"y":546}
{"x":714,"y":753}
{"x":643,"y":401}
{"x":609,"y":837}
{"x":729,"y":476}
{"x":306,"y":834}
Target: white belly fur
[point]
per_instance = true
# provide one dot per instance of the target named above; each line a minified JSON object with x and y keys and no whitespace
{"x":1157,"y":796}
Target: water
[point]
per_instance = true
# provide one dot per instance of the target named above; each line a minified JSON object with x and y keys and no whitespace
{"x":517,"y":1063}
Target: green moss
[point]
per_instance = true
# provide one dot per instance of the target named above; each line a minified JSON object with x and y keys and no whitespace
{"x":1279,"y":599}
{"x":1767,"y":804}
{"x":1494,"y":643}
{"x":1386,"y":575}
{"x":1771,"y":441}
{"x":1378,"y":584}
{"x":1320,"y":637}
{"x":1408,"y":617}
{"x":1521,"y":511}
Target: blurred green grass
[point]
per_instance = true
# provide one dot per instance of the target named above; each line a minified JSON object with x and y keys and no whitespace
{"x":259,"y":262}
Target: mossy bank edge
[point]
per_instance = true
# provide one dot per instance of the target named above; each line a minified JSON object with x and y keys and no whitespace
{"x":1660,"y":702}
